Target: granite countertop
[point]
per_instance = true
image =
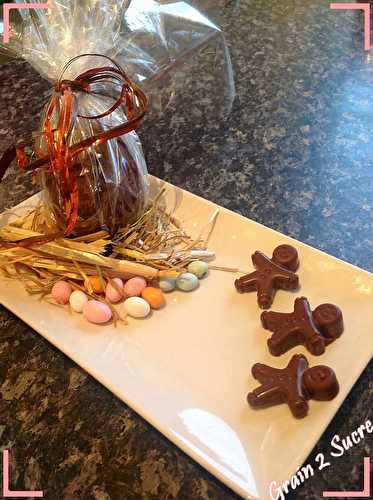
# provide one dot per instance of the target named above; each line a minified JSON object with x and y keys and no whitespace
{"x":295,"y":154}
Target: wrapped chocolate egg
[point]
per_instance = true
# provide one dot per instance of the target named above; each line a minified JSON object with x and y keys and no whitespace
{"x":112,"y":189}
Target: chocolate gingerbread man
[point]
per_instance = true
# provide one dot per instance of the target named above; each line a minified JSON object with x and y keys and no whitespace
{"x":313,"y":329}
{"x":271,"y":274}
{"x":294,"y":385}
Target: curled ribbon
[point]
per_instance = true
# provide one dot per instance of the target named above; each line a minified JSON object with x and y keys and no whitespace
{"x":60,"y":154}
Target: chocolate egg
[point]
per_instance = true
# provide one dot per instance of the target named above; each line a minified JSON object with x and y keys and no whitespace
{"x":153,"y":296}
{"x":61,"y":292}
{"x":167,"y":284}
{"x":96,"y":284}
{"x":134,"y":287}
{"x":113,"y":293}
{"x":187,"y":282}
{"x":110,"y":182}
{"x":77,"y":301}
{"x":96,"y":312}
{"x":199,"y":268}
{"x":136,"y":307}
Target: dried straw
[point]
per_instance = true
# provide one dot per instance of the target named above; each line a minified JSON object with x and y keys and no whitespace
{"x":155,"y":246}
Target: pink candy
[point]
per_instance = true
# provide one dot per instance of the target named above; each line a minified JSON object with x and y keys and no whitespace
{"x":134,"y":287}
{"x":96,"y":312}
{"x":61,"y":292}
{"x":112,"y":294}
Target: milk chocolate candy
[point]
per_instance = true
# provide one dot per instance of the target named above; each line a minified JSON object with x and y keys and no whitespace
{"x":313,"y":329}
{"x":293,"y":385}
{"x":271,"y":274}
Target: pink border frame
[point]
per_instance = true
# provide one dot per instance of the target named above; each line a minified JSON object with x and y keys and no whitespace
{"x":356,"y":494}
{"x":7,"y":8}
{"x":358,"y":6}
{"x":13,"y":494}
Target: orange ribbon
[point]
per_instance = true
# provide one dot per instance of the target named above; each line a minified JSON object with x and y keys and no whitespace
{"x":60,"y":154}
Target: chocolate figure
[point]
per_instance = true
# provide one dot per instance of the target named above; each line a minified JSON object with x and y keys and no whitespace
{"x":271,"y":274}
{"x":294,"y":385}
{"x":313,"y":329}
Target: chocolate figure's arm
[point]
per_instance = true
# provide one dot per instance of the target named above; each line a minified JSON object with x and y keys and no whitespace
{"x":247,"y":283}
{"x":296,"y":399}
{"x":265,"y":395}
{"x":287,"y":280}
{"x":261,"y":261}
{"x":264,"y":373}
{"x":298,"y":405}
{"x":312,"y":338}
{"x":302,"y":308}
{"x":274,"y":320}
{"x":297,"y":366}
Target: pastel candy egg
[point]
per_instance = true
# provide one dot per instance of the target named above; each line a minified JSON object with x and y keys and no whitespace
{"x":96,"y":312}
{"x":167,"y":284}
{"x":198,"y":268}
{"x":61,"y":292}
{"x":95,"y":283}
{"x":136,"y":307}
{"x":153,"y":296}
{"x":77,"y":301}
{"x":114,"y":294}
{"x":187,"y":282}
{"x":134,"y":287}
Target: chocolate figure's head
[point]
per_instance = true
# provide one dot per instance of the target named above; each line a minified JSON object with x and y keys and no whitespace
{"x":328,"y":318}
{"x":320,"y":383}
{"x":286,"y":256}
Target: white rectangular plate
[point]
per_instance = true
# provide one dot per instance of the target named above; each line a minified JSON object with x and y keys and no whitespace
{"x":186,"y":369}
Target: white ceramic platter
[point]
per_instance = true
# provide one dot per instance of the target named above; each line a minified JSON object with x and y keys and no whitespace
{"x":186,"y":369}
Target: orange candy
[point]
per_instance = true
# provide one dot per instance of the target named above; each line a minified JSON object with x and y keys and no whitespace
{"x":95,"y":283}
{"x":153,"y":296}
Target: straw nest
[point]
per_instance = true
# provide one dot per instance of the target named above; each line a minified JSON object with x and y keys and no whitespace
{"x":155,"y":246}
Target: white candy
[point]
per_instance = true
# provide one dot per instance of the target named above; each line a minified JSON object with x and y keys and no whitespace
{"x":187,"y":282}
{"x":77,"y":301}
{"x":167,"y":284}
{"x":199,"y":268}
{"x":136,"y":307}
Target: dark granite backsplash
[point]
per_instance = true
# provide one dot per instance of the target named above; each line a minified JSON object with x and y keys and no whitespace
{"x":295,"y":154}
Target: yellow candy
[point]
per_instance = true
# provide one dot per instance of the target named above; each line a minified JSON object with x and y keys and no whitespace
{"x":95,"y":283}
{"x":153,"y":296}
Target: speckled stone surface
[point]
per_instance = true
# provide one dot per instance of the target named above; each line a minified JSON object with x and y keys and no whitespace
{"x":295,"y":154}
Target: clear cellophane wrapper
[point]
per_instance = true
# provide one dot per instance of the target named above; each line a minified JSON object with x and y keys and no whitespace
{"x":153,"y":40}
{"x":111,"y":178}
